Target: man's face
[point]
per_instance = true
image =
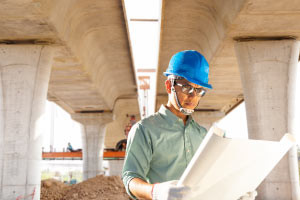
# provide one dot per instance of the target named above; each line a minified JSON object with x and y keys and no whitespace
{"x":189,"y":100}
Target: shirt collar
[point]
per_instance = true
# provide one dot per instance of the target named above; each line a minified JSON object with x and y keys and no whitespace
{"x":171,"y":117}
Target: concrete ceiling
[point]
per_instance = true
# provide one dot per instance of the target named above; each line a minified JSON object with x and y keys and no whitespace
{"x":92,"y":66}
{"x":210,"y":26}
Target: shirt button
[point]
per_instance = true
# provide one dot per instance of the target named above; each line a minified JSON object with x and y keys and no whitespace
{"x":188,"y":151}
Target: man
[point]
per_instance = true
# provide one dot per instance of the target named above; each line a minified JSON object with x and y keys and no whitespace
{"x":161,"y":146}
{"x":70,"y":148}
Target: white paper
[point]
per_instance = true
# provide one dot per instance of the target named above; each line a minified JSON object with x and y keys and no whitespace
{"x":226,"y":169}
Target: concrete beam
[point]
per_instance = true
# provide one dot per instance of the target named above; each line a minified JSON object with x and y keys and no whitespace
{"x":96,"y":37}
{"x":268,"y":73}
{"x":24,"y":77}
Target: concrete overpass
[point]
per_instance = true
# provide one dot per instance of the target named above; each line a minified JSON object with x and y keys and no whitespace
{"x":77,"y":54}
{"x":81,"y":49}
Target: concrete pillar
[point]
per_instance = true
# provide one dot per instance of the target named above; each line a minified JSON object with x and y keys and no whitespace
{"x":115,"y":167}
{"x":93,"y":135}
{"x":268,"y":74}
{"x":24,"y":77}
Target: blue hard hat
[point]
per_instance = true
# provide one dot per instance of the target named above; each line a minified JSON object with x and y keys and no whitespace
{"x":190,"y":65}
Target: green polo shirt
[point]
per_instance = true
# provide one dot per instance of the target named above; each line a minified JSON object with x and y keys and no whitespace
{"x":160,"y":147}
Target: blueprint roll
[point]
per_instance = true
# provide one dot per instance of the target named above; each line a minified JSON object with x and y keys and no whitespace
{"x":226,"y":169}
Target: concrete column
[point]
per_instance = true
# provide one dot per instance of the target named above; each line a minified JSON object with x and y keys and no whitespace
{"x":24,"y":77}
{"x":268,"y":74}
{"x":93,"y":135}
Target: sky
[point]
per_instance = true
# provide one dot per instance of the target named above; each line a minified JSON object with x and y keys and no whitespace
{"x":143,"y":19}
{"x":59,"y":129}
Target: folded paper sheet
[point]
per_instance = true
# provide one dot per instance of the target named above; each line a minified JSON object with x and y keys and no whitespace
{"x":226,"y":169}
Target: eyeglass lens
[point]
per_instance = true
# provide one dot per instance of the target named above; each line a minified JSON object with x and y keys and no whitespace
{"x":188,"y":89}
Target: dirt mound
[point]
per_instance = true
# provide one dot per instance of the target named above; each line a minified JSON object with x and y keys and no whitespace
{"x":98,"y":188}
{"x":52,"y":189}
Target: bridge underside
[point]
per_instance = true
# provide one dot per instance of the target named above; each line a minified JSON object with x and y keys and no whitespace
{"x":77,"y":54}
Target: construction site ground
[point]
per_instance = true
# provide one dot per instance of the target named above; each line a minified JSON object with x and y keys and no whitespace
{"x":98,"y":188}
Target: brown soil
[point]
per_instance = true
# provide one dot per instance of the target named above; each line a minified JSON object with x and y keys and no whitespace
{"x":98,"y":188}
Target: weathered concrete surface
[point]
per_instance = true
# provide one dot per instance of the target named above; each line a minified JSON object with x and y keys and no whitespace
{"x":95,"y":32}
{"x":24,"y":77}
{"x":268,"y":72}
{"x":115,"y":167}
{"x":93,"y":66}
{"x":24,"y":20}
{"x":93,"y":136}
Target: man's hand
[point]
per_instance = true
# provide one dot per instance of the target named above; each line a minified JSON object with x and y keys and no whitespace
{"x":249,"y":196}
{"x":169,"y":191}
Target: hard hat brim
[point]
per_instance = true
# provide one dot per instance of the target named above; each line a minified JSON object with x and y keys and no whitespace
{"x":206,"y":85}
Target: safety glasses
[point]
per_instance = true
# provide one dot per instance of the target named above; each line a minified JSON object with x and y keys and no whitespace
{"x":188,"y":89}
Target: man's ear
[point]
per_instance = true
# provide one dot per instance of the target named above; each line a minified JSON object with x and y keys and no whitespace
{"x":168,"y":86}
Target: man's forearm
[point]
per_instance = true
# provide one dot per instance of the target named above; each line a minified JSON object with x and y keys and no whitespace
{"x":140,"y":188}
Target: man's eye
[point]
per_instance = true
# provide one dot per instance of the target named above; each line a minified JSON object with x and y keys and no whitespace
{"x":186,"y":87}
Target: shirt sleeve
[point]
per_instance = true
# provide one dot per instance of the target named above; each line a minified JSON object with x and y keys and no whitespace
{"x":138,"y":156}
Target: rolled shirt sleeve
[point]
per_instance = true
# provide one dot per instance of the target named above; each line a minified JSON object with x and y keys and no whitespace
{"x":138,"y":156}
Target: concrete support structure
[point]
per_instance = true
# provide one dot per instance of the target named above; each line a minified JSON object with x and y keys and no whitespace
{"x":115,"y":167}
{"x":93,"y":135}
{"x":268,"y":74}
{"x":24,"y":78}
